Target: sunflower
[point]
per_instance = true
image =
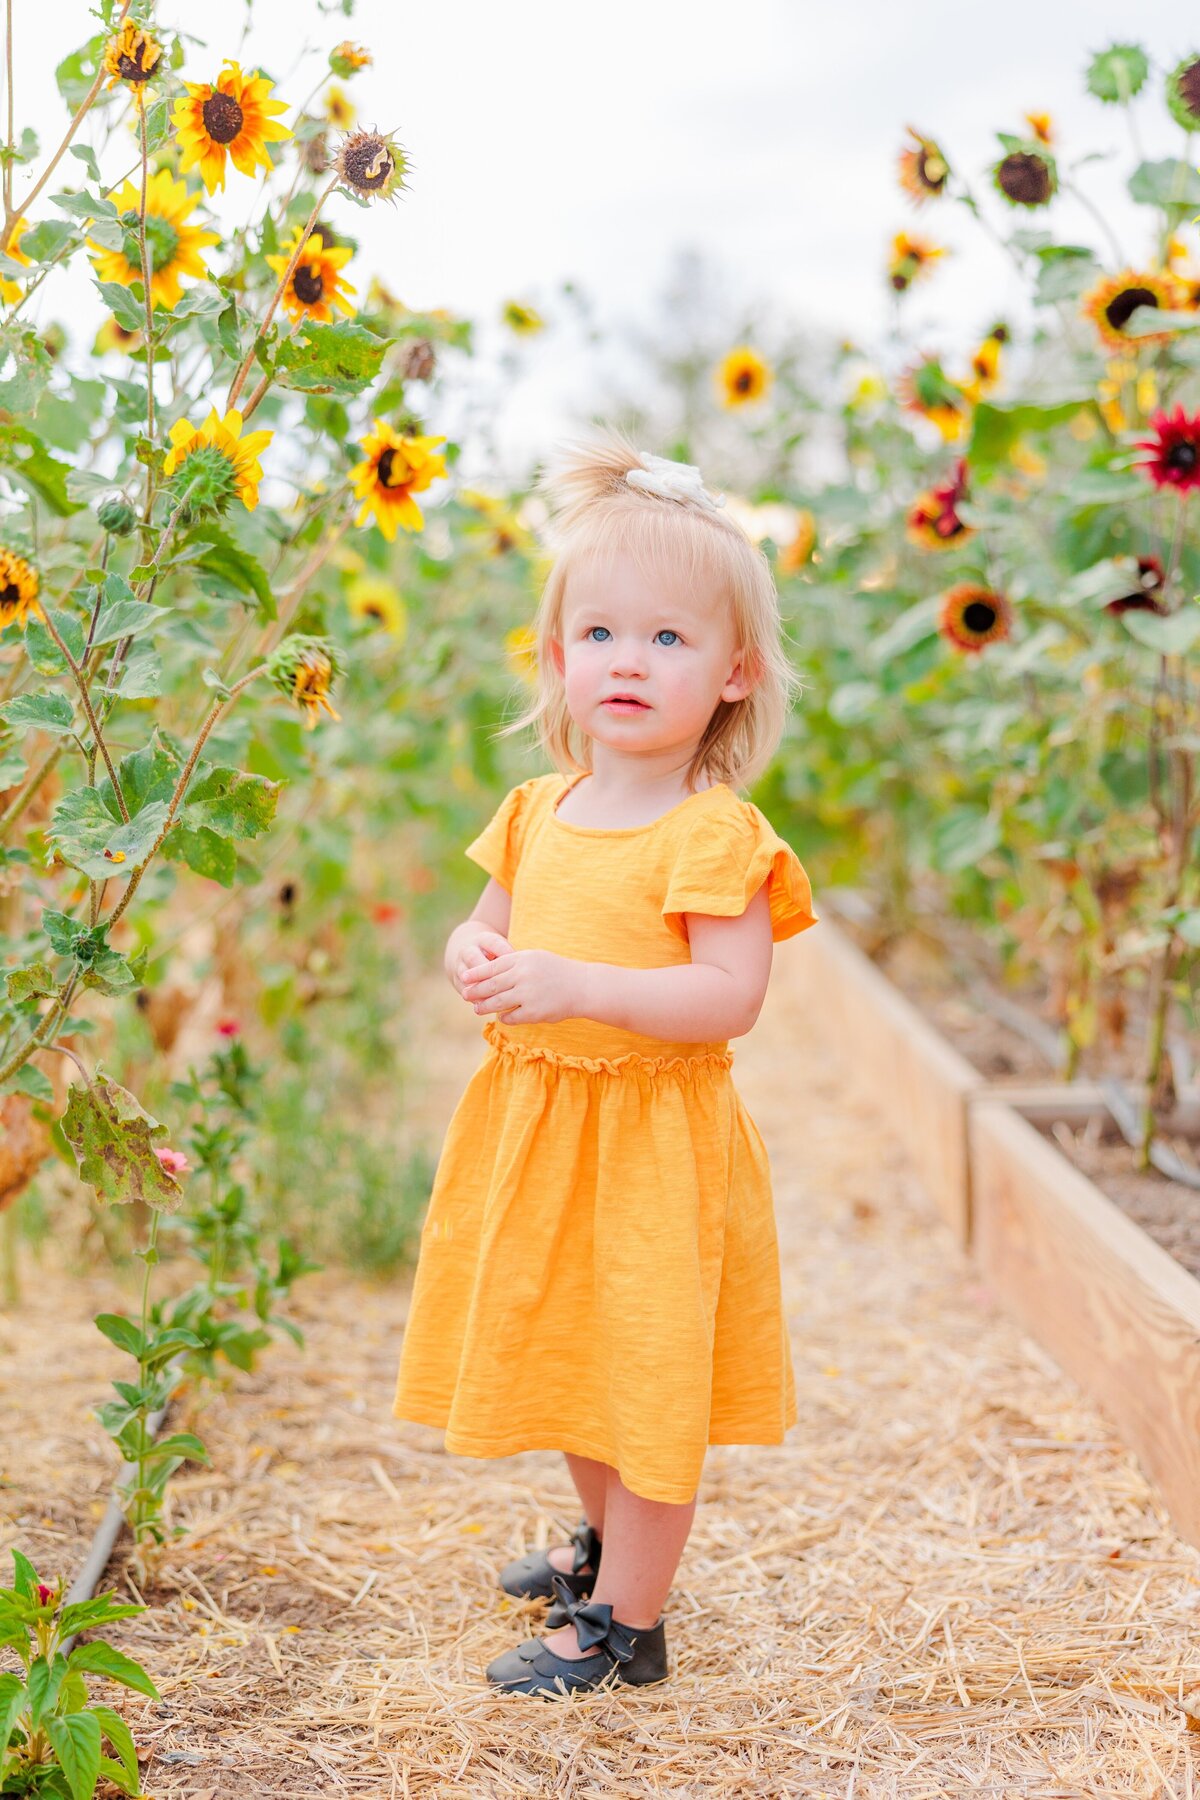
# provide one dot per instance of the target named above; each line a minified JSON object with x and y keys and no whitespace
{"x":348,"y":58}
{"x":1183,"y":92}
{"x":1174,"y":451}
{"x":1123,"y":383}
{"x":18,"y":590}
{"x":933,"y":520}
{"x":743,"y":377}
{"x":340,"y":110}
{"x":371,"y":164}
{"x":10,"y":291}
{"x":231,"y":116}
{"x":303,"y":668}
{"x":376,"y":600}
{"x":520,"y":646}
{"x":172,"y":245}
{"x":1026,"y":176}
{"x":1041,"y":125}
{"x":974,"y":616}
{"x":504,"y":530}
{"x":316,"y":288}
{"x":928,"y":391}
{"x":521,"y":319}
{"x":1147,"y":593}
{"x":131,"y":55}
{"x":395,"y":469}
{"x":911,"y":258}
{"x":985,"y":364}
{"x":793,"y":555}
{"x":922,"y":169}
{"x":1112,"y":301}
{"x":217,"y":461}
{"x":114,"y":336}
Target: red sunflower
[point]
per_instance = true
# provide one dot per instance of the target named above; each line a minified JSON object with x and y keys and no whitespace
{"x":1174,"y":451}
{"x":933,"y":519}
{"x":1147,"y":595}
{"x":973,"y":617}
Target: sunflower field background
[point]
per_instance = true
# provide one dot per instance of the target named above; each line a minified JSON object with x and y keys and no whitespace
{"x":246,"y":725}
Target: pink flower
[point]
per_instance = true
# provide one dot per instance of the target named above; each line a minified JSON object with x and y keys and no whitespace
{"x":173,"y":1161}
{"x":45,"y":1595}
{"x":228,"y":1027}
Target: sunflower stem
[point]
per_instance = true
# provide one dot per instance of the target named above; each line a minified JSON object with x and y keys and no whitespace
{"x":239,"y":379}
{"x":83,"y":108}
{"x":81,"y":683}
{"x":1089,"y":206}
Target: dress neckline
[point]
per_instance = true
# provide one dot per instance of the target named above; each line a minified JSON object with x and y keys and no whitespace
{"x":621,"y":830}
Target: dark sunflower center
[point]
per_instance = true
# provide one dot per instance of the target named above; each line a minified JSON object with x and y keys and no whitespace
{"x":223,"y":118}
{"x":1122,"y":306}
{"x":387,"y":473}
{"x":130,"y":67}
{"x":1183,"y":456}
{"x":743,"y":381}
{"x":162,"y":241}
{"x":368,"y":164}
{"x":10,"y":594}
{"x":1188,"y":88}
{"x":309,"y":284}
{"x":979,"y":616}
{"x":372,"y":611}
{"x":1025,"y":179}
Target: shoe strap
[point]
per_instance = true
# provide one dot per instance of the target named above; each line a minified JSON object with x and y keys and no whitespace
{"x":594,"y":1624}
{"x":587,"y":1546}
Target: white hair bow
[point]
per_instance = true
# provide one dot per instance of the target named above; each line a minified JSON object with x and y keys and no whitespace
{"x":672,"y":480}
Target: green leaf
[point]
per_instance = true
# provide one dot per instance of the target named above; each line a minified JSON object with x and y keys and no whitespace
{"x":996,"y":429}
{"x":1171,"y":184}
{"x":183,"y":1444}
{"x":1146,"y":319}
{"x":12,"y":1704}
{"x":44,"y":1679}
{"x":125,"y":309}
{"x":87,"y":157}
{"x":30,"y":980}
{"x":113,"y":1138}
{"x":48,"y":712}
{"x":121,"y":1331}
{"x":102,"y":1659}
{"x":201,"y":302}
{"x":41,"y":648}
{"x":45,"y":476}
{"x":29,"y":1079}
{"x":964,"y":836}
{"x":25,"y":1576}
{"x":65,"y":933}
{"x":121,"y":1738}
{"x":1174,"y":634}
{"x":83,"y":829}
{"x":76,"y":1741}
{"x":232,"y":567}
{"x":89,"y":1615}
{"x":911,"y":628}
{"x":44,"y":241}
{"x":123,"y":616}
{"x":158,"y":124}
{"x":330,"y":359}
{"x":231,"y":803}
{"x":114,"y":1772}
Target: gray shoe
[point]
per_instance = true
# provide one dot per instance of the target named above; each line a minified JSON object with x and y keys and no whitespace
{"x":622,"y":1653}
{"x":532,"y":1577}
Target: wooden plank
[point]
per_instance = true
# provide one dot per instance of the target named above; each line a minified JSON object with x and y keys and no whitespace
{"x":921,"y":1083}
{"x":1117,"y":1313}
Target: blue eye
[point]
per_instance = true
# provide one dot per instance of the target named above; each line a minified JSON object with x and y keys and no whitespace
{"x":667,"y":632}
{"x":587,"y":634}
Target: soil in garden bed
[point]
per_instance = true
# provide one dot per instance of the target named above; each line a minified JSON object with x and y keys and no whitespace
{"x":938,"y":973}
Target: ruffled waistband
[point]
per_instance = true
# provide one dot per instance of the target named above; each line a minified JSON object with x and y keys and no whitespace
{"x":632,"y":1063}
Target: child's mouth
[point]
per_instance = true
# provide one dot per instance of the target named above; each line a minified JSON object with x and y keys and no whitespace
{"x":627,"y":705}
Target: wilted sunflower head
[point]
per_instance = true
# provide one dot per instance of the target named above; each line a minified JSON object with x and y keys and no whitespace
{"x":973,"y":616}
{"x":18,"y":590}
{"x":910,"y":259}
{"x":348,"y":58}
{"x":927,"y":390}
{"x":1183,"y":92}
{"x":131,"y":55}
{"x":933,"y":519}
{"x":304,"y":668}
{"x":1112,"y":303}
{"x":1146,"y":593}
{"x":371,"y":164}
{"x":922,"y":168}
{"x":1026,"y":175}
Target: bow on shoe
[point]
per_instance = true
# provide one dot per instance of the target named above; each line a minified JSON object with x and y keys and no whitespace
{"x":594,"y":1624}
{"x":587,"y":1547}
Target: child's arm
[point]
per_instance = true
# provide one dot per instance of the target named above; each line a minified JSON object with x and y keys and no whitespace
{"x":718,"y":995}
{"x":485,"y":930}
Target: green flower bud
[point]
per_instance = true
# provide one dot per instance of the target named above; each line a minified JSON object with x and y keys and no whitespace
{"x":116,"y":515}
{"x":304,"y":669}
{"x":208,"y":478}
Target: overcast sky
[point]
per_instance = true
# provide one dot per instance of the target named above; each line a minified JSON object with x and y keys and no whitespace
{"x":553,"y":142}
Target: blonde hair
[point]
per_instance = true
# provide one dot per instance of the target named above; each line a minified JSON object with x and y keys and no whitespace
{"x":595,"y":512}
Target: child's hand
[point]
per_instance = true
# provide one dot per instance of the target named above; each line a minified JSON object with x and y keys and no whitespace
{"x":527,"y":987}
{"x":479,"y":955}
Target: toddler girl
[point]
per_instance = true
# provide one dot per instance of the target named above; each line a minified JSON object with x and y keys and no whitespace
{"x":599,"y":1270}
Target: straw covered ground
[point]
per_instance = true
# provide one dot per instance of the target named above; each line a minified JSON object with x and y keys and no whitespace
{"x":952,"y":1580}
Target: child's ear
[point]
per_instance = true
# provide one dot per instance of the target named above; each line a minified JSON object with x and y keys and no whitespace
{"x":744,"y":675}
{"x":556,"y":655}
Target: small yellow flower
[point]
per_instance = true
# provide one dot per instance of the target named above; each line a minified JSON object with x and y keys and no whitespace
{"x":1041,"y":125}
{"x":231,"y":116}
{"x":339,"y":108}
{"x":10,"y":291}
{"x":316,"y":288}
{"x":172,"y":245}
{"x":395,"y":469}
{"x":520,"y":646}
{"x":743,"y":377}
{"x":376,"y":600}
{"x":131,"y":55}
{"x":225,"y":437}
{"x":18,"y":590}
{"x":113,"y":336}
{"x":522,"y":319}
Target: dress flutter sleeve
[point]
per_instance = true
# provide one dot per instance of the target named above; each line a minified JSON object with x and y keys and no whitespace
{"x":498,"y":846}
{"x":724,"y":860}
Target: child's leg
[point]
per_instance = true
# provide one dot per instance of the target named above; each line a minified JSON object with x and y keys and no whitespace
{"x":643,"y":1541}
{"x":591,"y":1483}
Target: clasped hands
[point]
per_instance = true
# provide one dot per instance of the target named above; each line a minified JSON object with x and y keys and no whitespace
{"x":532,"y":987}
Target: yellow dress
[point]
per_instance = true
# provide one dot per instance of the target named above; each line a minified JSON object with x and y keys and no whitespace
{"x":599,"y":1267}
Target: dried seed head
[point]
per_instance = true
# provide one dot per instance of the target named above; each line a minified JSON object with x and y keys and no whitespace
{"x":370,"y":165}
